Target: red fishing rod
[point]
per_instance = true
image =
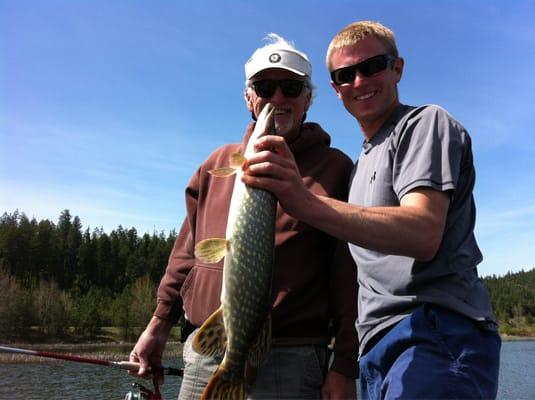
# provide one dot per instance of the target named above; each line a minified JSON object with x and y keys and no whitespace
{"x":130,"y":366}
{"x":139,"y":392}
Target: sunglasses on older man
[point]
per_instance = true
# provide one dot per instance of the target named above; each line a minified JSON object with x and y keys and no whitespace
{"x":367,"y":68}
{"x":266,"y":88}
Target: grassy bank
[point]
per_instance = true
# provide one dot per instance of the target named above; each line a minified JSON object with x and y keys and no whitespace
{"x":517,"y":327}
{"x":103,"y":351}
{"x":108,"y":344}
{"x":75,"y":336}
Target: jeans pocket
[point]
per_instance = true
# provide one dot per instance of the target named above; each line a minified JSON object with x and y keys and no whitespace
{"x":449,"y":329}
{"x":188,"y":354}
{"x":316,"y":362}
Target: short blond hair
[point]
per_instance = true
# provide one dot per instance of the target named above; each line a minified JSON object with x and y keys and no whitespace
{"x":356,"y":31}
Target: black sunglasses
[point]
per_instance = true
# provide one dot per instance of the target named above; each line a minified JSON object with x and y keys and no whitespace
{"x":367,"y":67}
{"x":266,"y":88}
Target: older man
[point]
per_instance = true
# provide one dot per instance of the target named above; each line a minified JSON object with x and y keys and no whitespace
{"x":314,"y":282}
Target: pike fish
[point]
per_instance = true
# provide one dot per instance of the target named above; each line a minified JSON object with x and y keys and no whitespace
{"x":241,"y":328}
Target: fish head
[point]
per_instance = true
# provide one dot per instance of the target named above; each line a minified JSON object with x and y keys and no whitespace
{"x":265,"y":124}
{"x":290,"y":111}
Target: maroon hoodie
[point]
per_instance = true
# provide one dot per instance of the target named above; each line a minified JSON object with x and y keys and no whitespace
{"x":314,"y":277}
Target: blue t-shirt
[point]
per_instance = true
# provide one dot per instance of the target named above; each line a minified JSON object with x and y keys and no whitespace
{"x":419,"y":147}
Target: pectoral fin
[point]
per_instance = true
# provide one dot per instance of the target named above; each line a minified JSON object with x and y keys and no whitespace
{"x":211,"y":339}
{"x":211,"y":250}
{"x":236,"y":161}
{"x":224,"y":172}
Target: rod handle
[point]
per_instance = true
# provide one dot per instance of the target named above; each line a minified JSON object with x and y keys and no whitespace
{"x":134,"y":367}
{"x":128,"y":365}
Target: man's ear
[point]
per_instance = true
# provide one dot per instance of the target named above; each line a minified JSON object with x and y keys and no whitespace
{"x":248,"y":100}
{"x":309,"y":100}
{"x":398,"y":68}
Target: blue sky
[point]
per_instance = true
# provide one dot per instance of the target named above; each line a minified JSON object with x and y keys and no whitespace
{"x":108,"y":107}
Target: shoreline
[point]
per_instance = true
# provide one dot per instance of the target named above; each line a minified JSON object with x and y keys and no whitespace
{"x":513,"y":338}
{"x":109,"y":351}
{"x":118,"y":351}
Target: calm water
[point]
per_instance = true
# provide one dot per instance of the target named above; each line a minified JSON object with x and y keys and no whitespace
{"x":68,"y":380}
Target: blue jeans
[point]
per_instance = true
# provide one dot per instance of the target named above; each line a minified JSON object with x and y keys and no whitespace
{"x":295,"y":372}
{"x":432,"y":354}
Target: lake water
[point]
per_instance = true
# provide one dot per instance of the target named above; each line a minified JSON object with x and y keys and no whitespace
{"x":68,"y":380}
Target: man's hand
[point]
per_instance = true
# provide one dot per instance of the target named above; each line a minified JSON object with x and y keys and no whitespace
{"x":149,"y":349}
{"x":338,"y":387}
{"x":413,"y":229}
{"x":273,"y":168}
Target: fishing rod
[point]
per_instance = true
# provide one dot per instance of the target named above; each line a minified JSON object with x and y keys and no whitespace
{"x":127,"y":365}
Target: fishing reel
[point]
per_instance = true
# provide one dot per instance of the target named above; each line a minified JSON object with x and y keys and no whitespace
{"x":140,"y":392}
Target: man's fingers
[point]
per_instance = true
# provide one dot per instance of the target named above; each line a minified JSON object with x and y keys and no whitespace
{"x":266,"y":161}
{"x":143,"y":364}
{"x":273,"y":143}
{"x":264,"y":182}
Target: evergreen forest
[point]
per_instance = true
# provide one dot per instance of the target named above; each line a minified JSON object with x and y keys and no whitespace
{"x":59,"y":282}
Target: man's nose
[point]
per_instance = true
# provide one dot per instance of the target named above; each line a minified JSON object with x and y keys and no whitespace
{"x":278,"y":96}
{"x":359,"y":78}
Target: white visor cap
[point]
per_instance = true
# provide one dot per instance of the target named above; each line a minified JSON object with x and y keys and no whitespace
{"x":266,"y":58}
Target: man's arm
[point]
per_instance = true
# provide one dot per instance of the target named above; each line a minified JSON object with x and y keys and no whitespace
{"x":413,"y":229}
{"x":150,"y":346}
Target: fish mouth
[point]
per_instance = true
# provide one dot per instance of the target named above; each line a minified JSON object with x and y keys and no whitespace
{"x":278,"y":120}
{"x":268,"y":106}
{"x":273,"y":111}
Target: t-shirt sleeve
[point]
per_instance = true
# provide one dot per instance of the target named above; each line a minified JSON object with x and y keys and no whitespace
{"x":428,"y":151}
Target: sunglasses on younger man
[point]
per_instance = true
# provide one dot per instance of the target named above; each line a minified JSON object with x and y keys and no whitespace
{"x":367,"y":68}
{"x":266,"y":88}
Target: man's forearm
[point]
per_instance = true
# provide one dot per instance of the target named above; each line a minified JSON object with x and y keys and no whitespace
{"x":404,"y":230}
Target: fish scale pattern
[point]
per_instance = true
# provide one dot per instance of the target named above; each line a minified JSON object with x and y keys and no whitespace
{"x":248,"y":278}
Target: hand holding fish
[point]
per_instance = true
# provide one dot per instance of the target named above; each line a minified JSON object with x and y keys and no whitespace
{"x":273,"y":168}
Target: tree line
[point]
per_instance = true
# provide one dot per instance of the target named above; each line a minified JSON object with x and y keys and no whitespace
{"x":58,"y":278}
{"x":513,"y":299}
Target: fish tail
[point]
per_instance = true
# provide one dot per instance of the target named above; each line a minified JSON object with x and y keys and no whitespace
{"x":221,"y":386}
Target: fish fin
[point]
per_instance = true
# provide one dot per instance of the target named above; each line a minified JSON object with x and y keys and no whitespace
{"x":211,"y":339}
{"x":262,"y":345}
{"x":211,"y":250}
{"x":237,"y":160}
{"x":223,"y":172}
{"x":221,"y":386}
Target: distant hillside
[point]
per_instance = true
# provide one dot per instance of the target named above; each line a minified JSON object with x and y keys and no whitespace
{"x":513,"y":298}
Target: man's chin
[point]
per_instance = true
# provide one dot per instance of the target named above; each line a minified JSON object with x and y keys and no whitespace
{"x":283,"y":129}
